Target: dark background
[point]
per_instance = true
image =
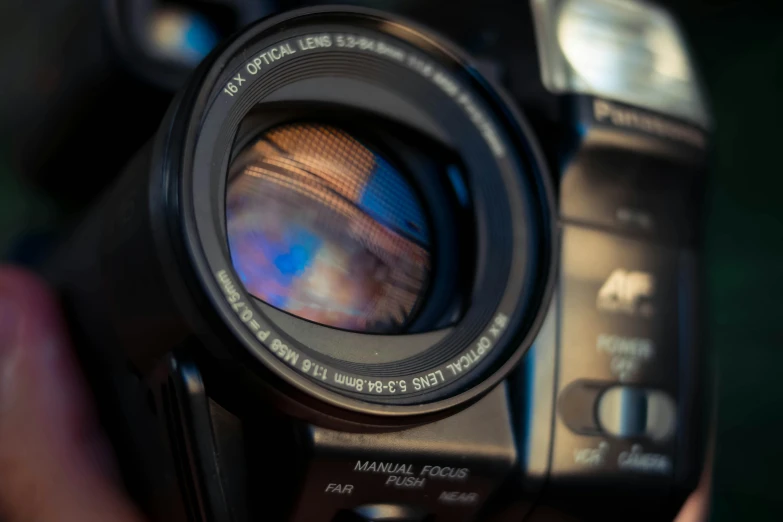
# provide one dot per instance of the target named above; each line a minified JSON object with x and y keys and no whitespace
{"x":740,"y":50}
{"x":72,"y":110}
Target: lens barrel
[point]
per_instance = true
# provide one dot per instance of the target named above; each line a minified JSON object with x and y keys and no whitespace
{"x":338,"y":209}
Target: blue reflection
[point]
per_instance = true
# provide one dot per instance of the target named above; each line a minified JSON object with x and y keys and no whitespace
{"x":304,"y":247}
{"x":459,"y":185}
{"x":389,"y":199}
{"x":241,"y":273}
{"x":294,"y":262}
{"x":200,"y":38}
{"x":181,"y":34}
{"x":277,"y":300}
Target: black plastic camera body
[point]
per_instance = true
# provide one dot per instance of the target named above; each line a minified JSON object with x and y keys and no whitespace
{"x":568,"y":385}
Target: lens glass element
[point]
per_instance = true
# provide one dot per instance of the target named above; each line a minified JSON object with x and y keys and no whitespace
{"x":321,"y":226}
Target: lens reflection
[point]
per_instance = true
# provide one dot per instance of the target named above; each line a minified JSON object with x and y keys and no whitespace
{"x":324,"y":228}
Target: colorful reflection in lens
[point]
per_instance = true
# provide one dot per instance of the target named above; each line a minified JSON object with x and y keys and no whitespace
{"x":322,"y":227}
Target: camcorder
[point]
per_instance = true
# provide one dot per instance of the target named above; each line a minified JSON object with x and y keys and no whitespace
{"x":348,"y":280}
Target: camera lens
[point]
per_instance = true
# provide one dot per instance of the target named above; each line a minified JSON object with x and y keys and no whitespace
{"x":324,"y":228}
{"x":359,"y":218}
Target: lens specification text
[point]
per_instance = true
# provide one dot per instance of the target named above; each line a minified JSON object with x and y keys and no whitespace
{"x":406,"y":476}
{"x":276,"y":345}
{"x":261,"y":62}
{"x":451,"y":485}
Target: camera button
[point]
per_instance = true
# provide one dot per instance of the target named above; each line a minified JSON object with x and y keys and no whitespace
{"x":626,"y":412}
{"x":576,"y":406}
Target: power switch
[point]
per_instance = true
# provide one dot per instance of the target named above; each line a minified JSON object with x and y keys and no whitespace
{"x":626,"y":412}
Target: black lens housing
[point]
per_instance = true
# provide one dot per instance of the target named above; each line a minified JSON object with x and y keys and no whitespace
{"x":339,"y":58}
{"x":173,"y":262}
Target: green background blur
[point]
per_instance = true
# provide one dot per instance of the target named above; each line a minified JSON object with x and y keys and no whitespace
{"x":741,"y":52}
{"x":739,"y":47}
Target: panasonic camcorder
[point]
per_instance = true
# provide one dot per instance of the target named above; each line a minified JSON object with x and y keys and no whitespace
{"x":348,"y":280}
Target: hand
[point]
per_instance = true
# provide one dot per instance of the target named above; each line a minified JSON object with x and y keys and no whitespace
{"x":55,"y":463}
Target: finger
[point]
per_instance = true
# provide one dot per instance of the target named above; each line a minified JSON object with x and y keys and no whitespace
{"x":697,"y":506}
{"x":54,"y":460}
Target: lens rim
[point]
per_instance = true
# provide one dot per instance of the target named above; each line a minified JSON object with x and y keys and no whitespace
{"x":514,"y":130}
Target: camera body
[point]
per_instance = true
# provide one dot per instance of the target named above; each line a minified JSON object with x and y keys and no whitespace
{"x":575,"y":393}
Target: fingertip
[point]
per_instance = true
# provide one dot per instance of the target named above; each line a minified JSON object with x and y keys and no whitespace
{"x":49,"y":434}
{"x":44,"y":402}
{"x":36,"y":305}
{"x":23,"y":284}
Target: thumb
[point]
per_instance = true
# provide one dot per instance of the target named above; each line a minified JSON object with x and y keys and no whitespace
{"x":55,"y":464}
